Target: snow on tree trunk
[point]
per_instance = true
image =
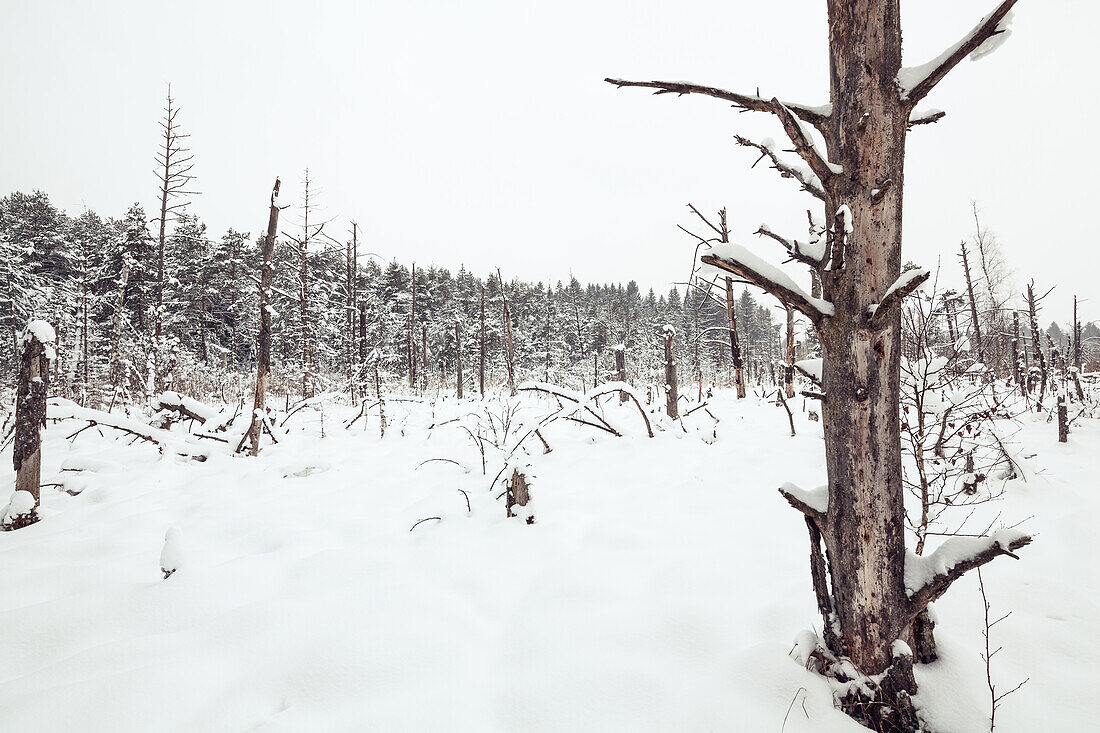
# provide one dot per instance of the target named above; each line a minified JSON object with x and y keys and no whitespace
{"x":672,"y":396}
{"x":36,"y":344}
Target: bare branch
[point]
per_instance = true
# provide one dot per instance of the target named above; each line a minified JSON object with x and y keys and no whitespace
{"x":897,"y":293}
{"x":928,"y":75}
{"x":813,"y":115}
{"x":791,"y":245}
{"x":809,"y":184}
{"x":803,"y":144}
{"x":787,"y":292}
{"x":938,"y":584}
{"x":800,"y":500}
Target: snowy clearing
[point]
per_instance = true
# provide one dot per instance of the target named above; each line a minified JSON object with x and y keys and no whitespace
{"x":661,"y":586}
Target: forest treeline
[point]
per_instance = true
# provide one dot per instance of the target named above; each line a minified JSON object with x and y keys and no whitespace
{"x":120,"y":325}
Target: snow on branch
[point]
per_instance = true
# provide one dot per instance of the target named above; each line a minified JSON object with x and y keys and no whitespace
{"x":736,"y":259}
{"x":925,"y":117}
{"x":811,"y":368}
{"x":61,"y":409}
{"x":915,"y":82}
{"x":927,"y":578}
{"x":807,"y":254}
{"x":809,"y":181}
{"x":804,"y":143}
{"x":906,"y":283}
{"x":815,"y":116}
{"x":814,"y":504}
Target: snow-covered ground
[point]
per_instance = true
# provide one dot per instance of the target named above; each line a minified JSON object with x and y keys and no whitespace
{"x":659,"y":588}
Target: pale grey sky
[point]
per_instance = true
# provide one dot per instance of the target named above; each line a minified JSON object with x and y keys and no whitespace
{"x":482,"y":133}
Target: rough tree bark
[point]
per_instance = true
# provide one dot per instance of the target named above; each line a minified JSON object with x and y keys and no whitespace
{"x":860,"y":178}
{"x":36,"y":351}
{"x":263,"y":366}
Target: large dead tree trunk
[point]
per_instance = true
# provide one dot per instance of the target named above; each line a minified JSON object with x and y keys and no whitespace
{"x":458,"y":357}
{"x":36,"y":350}
{"x":860,"y":179}
{"x":263,"y":364}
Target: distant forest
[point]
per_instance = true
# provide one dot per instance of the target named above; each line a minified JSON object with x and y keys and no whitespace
{"x":191,"y":323}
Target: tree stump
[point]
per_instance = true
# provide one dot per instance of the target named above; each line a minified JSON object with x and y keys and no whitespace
{"x":1063,"y":420}
{"x":36,"y":352}
{"x":519,"y":494}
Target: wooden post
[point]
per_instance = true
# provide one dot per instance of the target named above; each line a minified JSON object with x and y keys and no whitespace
{"x":36,"y":351}
{"x":672,"y":397}
{"x":263,"y":367}
{"x":458,"y":356}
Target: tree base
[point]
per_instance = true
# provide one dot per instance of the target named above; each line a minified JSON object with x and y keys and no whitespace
{"x":20,"y":520}
{"x":882,"y":702}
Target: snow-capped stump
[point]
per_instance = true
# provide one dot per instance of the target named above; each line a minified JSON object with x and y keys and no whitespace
{"x":519,"y":496}
{"x":19,"y":512}
{"x":36,"y":354}
{"x":171,"y":555}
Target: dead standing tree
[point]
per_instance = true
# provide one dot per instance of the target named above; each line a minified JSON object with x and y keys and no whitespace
{"x":263,"y":366}
{"x":672,"y":391}
{"x":36,"y":352}
{"x":173,"y":172}
{"x":859,"y":177}
{"x":978,"y":352}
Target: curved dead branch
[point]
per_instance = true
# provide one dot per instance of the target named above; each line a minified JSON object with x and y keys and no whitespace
{"x":812,"y":115}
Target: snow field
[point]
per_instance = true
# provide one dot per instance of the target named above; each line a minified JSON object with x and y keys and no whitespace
{"x":659,"y":589}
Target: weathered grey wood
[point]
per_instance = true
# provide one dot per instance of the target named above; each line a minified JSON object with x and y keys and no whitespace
{"x":518,"y":494}
{"x":30,"y":413}
{"x":862,"y":175}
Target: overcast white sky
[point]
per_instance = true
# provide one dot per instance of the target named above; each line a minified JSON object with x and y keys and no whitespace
{"x":482,"y":133}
